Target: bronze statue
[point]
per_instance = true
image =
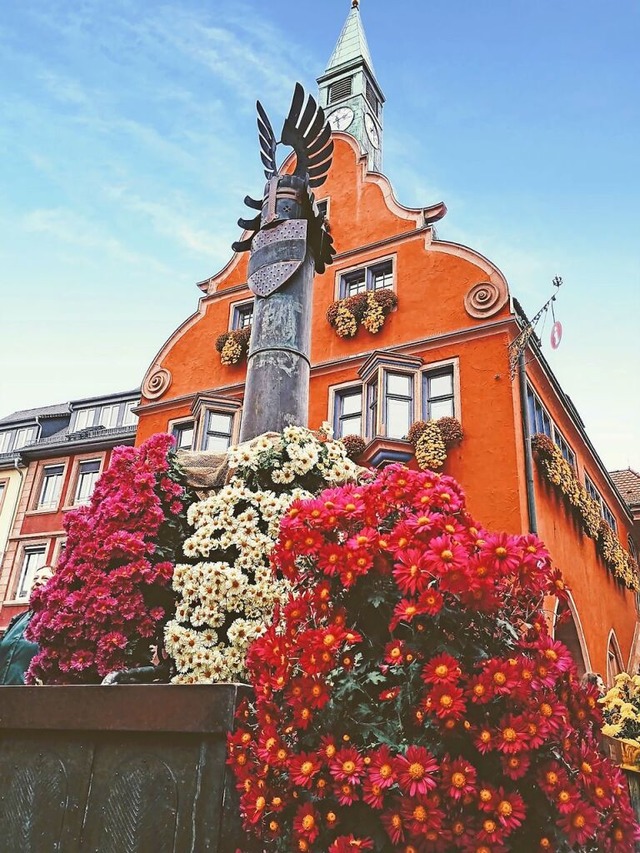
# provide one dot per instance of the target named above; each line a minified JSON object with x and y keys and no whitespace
{"x":289,"y":240}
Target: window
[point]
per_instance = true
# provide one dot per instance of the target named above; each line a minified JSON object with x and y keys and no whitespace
{"x":51,"y":486}
{"x":566,"y":451}
{"x":375,"y":277}
{"x":540,"y":422}
{"x":438,"y":394}
{"x":609,"y":517}
{"x":109,"y":416}
{"x":323,"y":206}
{"x":348,"y":412}
{"x":15,"y":439}
{"x":372,"y":408}
{"x":340,"y":89}
{"x":183,"y":434}
{"x":33,"y":560}
{"x":242,"y":315}
{"x":130,"y":418}
{"x":88,"y":473}
{"x":398,"y":404}
{"x":3,"y":491}
{"x":218,"y":431}
{"x":605,"y":512}
{"x":84,"y":419}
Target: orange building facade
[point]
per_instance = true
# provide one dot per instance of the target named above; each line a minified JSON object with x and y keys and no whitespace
{"x":446,"y":349}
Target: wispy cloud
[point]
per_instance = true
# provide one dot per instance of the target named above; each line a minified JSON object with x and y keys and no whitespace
{"x":68,"y":227}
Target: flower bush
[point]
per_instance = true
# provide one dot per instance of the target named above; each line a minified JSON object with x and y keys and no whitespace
{"x":106,"y":606}
{"x":233,"y":346}
{"x":227,"y":596}
{"x":431,"y":440}
{"x":561,"y":475}
{"x":408,"y":694}
{"x":621,"y":708}
{"x":367,"y":309}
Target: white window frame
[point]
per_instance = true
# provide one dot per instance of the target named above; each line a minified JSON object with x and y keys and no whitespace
{"x":236,"y":312}
{"x":84,"y":419}
{"x":53,"y":503}
{"x":182,"y":424}
{"x":368,"y":267}
{"x":129,"y":417}
{"x":28,"y":569}
{"x":204,"y":433}
{"x":79,"y":500}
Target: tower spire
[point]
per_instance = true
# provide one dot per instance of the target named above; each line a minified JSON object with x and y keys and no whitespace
{"x":349,"y":90}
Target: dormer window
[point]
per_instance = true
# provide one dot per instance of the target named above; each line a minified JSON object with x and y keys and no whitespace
{"x":16,"y":439}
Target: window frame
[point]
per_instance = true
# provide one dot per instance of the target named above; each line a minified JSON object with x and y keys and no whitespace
{"x":535,"y":406}
{"x":337,"y":416}
{"x":236,"y":313}
{"x":433,"y":372}
{"x":12,"y":444}
{"x":387,"y":395}
{"x":122,"y":407}
{"x":605,"y":510}
{"x":26,"y":551}
{"x":369,"y":268}
{"x":4,"y":488}
{"x":205,"y":432}
{"x":182,"y":424}
{"x":78,"y":478}
{"x":54,"y":504}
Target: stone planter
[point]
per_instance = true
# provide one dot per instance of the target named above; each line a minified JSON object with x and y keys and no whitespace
{"x":118,"y":769}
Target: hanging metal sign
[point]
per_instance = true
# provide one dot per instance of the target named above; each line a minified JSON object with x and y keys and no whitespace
{"x":556,"y":334}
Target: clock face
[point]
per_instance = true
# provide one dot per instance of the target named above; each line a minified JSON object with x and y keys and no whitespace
{"x":372,"y":131}
{"x":341,"y":118}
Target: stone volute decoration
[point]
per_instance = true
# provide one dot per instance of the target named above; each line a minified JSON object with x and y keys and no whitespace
{"x":485,"y":299}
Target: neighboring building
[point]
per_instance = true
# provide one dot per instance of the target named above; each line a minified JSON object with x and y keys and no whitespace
{"x":444,"y":351}
{"x":52,"y":458}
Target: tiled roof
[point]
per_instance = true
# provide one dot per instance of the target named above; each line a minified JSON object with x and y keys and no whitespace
{"x":628,"y":484}
{"x":57,"y":411}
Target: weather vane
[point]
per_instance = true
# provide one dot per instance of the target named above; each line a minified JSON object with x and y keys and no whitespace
{"x":288,"y":240}
{"x":519,"y":344}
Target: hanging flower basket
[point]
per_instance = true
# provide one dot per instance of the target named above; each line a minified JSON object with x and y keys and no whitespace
{"x":432,"y":439}
{"x":233,"y":346}
{"x":364,"y":309}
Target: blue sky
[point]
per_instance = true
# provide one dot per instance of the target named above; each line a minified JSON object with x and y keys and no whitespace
{"x":127,"y":144}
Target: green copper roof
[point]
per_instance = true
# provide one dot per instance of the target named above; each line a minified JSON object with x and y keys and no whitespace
{"x":352,"y":44}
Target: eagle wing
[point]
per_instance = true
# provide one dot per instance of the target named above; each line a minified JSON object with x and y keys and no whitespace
{"x":307,"y":131}
{"x":267,"y":142}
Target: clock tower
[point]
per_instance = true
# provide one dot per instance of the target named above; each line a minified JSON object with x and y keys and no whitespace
{"x":349,"y":92}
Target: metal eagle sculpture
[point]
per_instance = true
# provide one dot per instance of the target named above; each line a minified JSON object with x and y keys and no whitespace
{"x":290,"y":196}
{"x":289,"y":239}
